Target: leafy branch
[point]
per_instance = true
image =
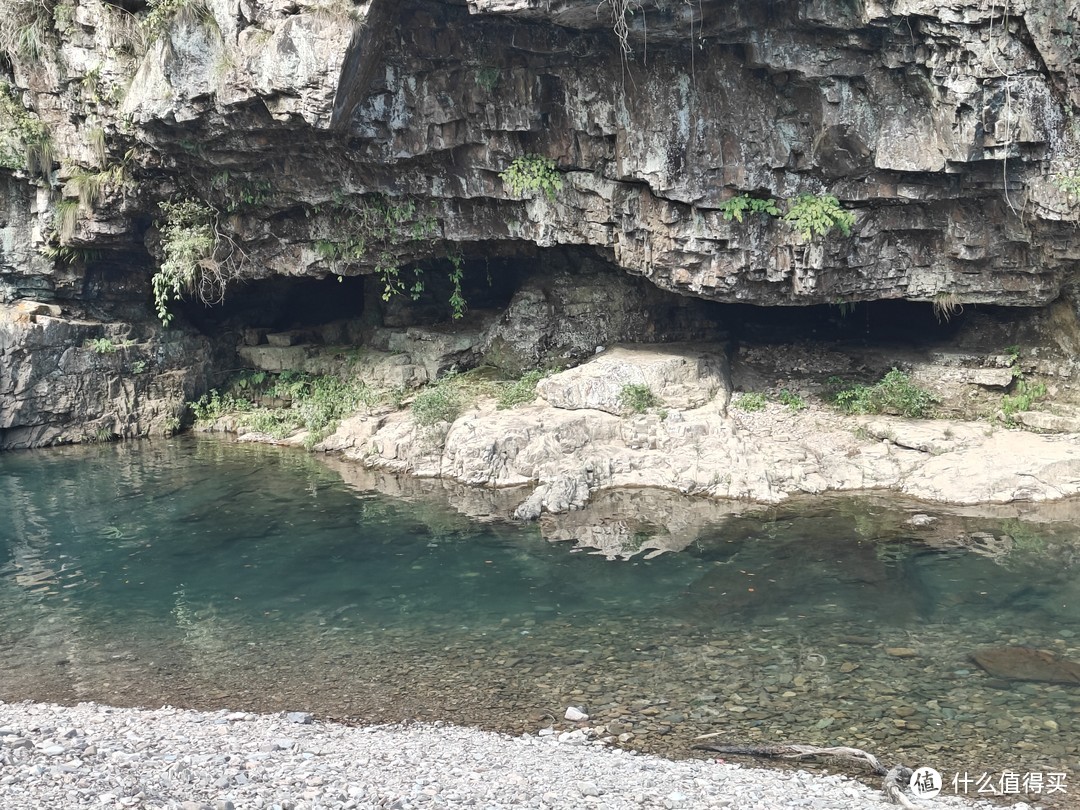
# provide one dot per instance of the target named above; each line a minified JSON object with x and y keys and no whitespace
{"x":199,"y":259}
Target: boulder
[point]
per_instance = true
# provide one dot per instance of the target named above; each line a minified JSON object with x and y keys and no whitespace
{"x":1027,"y":664}
{"x":679,"y":376}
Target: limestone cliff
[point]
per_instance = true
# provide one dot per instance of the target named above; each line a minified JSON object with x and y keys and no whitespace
{"x":326,"y":138}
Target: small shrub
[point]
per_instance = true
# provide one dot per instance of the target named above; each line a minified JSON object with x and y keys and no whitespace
{"x":737,"y":207}
{"x":212,"y":406}
{"x":637,"y":398}
{"x":792,"y":400}
{"x":813,"y":215}
{"x":519,"y":392}
{"x":188,"y":241}
{"x":751,"y":402}
{"x":251,"y":379}
{"x":1023,"y":399}
{"x":532,"y":173}
{"x":315,"y":404}
{"x":894,"y":394}
{"x":438,"y":403}
{"x":102,"y":345}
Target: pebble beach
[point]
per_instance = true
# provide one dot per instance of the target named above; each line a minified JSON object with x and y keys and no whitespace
{"x":91,"y":755}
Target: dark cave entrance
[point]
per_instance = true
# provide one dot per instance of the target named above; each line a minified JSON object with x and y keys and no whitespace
{"x":283,"y":303}
{"x":557,"y":306}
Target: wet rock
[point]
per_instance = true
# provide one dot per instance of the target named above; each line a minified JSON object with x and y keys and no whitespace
{"x":1027,"y":664}
{"x":902,"y":652}
{"x":575,"y":714}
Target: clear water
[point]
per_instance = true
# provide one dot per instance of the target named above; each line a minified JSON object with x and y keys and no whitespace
{"x":202,"y":573}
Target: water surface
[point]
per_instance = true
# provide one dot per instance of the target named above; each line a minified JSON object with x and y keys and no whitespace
{"x":216,"y":575}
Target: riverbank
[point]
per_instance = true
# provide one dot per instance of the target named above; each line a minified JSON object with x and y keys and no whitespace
{"x":748,"y":432}
{"x":94,"y":755}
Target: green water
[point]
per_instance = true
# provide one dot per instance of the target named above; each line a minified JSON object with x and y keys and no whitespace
{"x":209,"y":574}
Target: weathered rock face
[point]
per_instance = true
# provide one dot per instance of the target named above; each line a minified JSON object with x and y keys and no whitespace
{"x":354,"y":139}
{"x":940,"y":128}
{"x":67,"y":380}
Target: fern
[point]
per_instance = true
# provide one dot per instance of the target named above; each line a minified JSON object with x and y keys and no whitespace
{"x":816,"y":216}
{"x":737,"y":207}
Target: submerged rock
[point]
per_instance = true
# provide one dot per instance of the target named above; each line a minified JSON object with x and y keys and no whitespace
{"x":1027,"y":664}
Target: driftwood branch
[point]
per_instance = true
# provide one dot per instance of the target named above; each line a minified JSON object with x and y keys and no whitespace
{"x":893,"y":784}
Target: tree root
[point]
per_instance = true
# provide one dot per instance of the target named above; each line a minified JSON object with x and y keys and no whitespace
{"x":896,"y":778}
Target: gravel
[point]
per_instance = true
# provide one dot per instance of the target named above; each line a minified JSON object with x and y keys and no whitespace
{"x":97,"y":756}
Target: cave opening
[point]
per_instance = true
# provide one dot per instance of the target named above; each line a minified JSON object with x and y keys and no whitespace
{"x":558,"y":306}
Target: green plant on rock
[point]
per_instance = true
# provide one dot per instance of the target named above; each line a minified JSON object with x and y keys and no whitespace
{"x":26,"y":27}
{"x":637,"y":398}
{"x":69,"y":255}
{"x":488,"y":78}
{"x":65,"y":219}
{"x":189,"y":244}
{"x":240,"y":193}
{"x":812,"y":215}
{"x":737,"y":207}
{"x":102,"y":345}
{"x":316,"y":404}
{"x":96,"y":140}
{"x":894,"y":394}
{"x":458,"y":305}
{"x":519,"y":392}
{"x":437,"y":403}
{"x":213,"y":405}
{"x":751,"y":402}
{"x":373,"y":231}
{"x":1069,"y":184}
{"x":25,"y":141}
{"x":531,"y":174}
{"x":90,"y":186}
{"x":1024,"y":397}
{"x":791,"y":400}
{"x":63,"y":13}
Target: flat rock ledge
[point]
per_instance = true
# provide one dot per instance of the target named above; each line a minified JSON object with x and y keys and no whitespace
{"x":96,"y":756}
{"x":576,"y":441}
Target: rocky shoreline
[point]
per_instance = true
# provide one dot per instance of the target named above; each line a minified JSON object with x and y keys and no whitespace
{"x":94,"y":755}
{"x":578,"y":438}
